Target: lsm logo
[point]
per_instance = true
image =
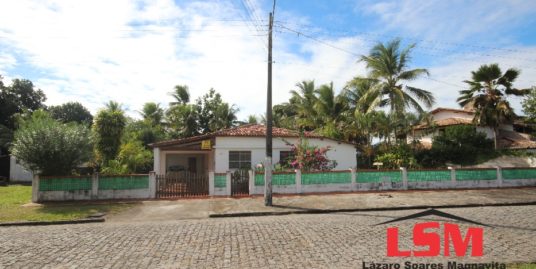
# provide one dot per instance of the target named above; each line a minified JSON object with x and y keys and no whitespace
{"x":428,"y":237}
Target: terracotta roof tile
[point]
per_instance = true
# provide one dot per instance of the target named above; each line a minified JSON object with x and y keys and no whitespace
{"x":248,"y":130}
{"x":514,"y":140}
{"x":445,"y":122}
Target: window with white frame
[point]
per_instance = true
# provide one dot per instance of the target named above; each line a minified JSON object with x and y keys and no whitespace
{"x":239,"y":159}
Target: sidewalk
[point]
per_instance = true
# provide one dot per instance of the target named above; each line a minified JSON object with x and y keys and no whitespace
{"x":254,"y":206}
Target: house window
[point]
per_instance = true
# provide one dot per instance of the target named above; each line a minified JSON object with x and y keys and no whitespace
{"x":239,"y":159}
{"x":284,"y":156}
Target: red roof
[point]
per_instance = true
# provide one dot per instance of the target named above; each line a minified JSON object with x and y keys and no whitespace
{"x":248,"y":130}
{"x":440,"y":109}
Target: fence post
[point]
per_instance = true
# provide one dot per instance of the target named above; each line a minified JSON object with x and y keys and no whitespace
{"x":251,"y":182}
{"x":499,"y":176}
{"x":354,"y":178}
{"x":95,"y":185}
{"x":404,"y":177}
{"x":211,"y":183}
{"x":298,"y":181}
{"x":228,"y":183}
{"x":35,"y":188}
{"x":152,"y":184}
{"x":452,"y":176}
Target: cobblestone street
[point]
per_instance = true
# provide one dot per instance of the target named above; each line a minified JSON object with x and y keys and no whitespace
{"x":342,"y":240}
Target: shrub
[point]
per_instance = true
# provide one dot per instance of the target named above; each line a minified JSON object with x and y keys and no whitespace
{"x":49,"y":147}
{"x":398,"y":156}
{"x":310,"y":158}
{"x":461,"y":144}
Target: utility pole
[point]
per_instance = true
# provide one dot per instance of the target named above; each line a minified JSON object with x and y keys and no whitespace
{"x":268,"y":160}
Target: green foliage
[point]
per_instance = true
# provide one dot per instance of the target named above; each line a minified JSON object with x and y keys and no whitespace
{"x":182,"y":121}
{"x":152,"y":113}
{"x":136,"y":157}
{"x":309,"y":158}
{"x":487,"y":94}
{"x":529,"y":105}
{"x":398,"y":156}
{"x":461,"y":144}
{"x":213,"y":113}
{"x":143,"y":131}
{"x":71,"y":112}
{"x":49,"y":147}
{"x":108,"y":129}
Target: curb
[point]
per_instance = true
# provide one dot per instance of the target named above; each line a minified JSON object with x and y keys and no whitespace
{"x":326,"y":211}
{"x":57,"y":222}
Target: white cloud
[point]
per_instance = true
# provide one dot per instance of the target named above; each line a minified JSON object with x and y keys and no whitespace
{"x":136,"y":51}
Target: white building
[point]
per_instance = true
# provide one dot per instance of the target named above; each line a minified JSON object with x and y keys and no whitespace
{"x":240,"y":147}
{"x":444,"y":117}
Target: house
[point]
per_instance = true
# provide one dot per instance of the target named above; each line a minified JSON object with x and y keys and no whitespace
{"x":508,"y":137}
{"x":240,"y":147}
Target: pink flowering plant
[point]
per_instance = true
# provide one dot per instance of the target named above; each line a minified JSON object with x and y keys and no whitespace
{"x":309,"y":158}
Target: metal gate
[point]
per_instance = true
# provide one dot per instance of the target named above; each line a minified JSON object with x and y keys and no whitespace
{"x":240,"y":183}
{"x":181,"y":184}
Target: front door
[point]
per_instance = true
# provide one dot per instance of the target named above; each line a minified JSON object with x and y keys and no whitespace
{"x":192,"y":164}
{"x":240,"y":183}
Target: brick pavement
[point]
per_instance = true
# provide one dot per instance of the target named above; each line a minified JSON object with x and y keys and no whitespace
{"x":341,"y":240}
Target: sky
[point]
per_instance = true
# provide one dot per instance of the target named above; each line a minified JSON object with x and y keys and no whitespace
{"x":136,"y":51}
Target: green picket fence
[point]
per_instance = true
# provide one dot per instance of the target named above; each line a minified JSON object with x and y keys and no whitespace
{"x":326,"y":178}
{"x":476,"y":174}
{"x":522,"y":173}
{"x":220,"y":180}
{"x":432,"y":175}
{"x":65,"y":184}
{"x":259,"y":179}
{"x":120,"y":182}
{"x":378,"y":176}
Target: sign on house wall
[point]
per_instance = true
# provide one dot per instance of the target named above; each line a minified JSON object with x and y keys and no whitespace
{"x":205,"y":144}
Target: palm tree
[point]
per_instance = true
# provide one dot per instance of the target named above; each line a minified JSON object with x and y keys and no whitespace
{"x":153,"y":113}
{"x":487,"y":94}
{"x":328,"y":108}
{"x":388,"y":68}
{"x":181,"y":95}
{"x":304,"y":100}
{"x":113,"y":106}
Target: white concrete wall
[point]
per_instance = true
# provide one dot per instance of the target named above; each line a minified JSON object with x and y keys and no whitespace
{"x":17,"y":173}
{"x":343,"y":153}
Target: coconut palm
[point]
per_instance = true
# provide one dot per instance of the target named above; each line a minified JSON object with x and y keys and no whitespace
{"x":153,"y":113}
{"x":388,"y":69}
{"x":328,"y":109}
{"x":304,"y":100}
{"x":181,"y":95}
{"x":488,"y":89}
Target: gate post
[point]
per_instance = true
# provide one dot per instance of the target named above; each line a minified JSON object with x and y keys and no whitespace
{"x":152,"y":184}
{"x":95,"y":186}
{"x":404,"y":177}
{"x":298,"y":181}
{"x":452,"y":176}
{"x":211,"y":183}
{"x":228,"y":183}
{"x":353,"y":178}
{"x":499,"y":176}
{"x":35,"y":188}
{"x":251,"y":182}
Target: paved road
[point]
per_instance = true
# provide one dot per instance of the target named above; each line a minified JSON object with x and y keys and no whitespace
{"x":293,"y":241}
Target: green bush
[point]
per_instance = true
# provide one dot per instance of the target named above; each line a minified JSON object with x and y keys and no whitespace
{"x":461,"y":144}
{"x":398,"y":156}
{"x":50,"y":147}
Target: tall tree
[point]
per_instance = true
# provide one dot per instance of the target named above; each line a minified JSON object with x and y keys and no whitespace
{"x":529,"y":105}
{"x":18,"y":97}
{"x":214,"y":113}
{"x":328,"y":109}
{"x":153,"y":113}
{"x":181,"y":94}
{"x":108,"y":127}
{"x":488,"y":89}
{"x":182,"y":121}
{"x":304,"y":100}
{"x":388,"y":70}
{"x":71,"y":112}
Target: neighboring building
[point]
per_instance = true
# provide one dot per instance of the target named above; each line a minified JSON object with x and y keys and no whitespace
{"x":17,"y":172}
{"x":241,"y":147}
{"x":441,"y":118}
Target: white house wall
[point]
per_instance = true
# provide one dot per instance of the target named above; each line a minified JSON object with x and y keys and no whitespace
{"x":17,"y":173}
{"x":343,"y":153}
